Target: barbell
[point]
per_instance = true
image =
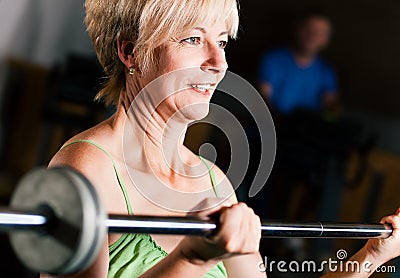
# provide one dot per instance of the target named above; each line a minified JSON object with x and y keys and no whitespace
{"x":57,"y":225}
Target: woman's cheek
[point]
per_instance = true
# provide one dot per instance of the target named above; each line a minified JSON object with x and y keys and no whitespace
{"x":188,"y":57}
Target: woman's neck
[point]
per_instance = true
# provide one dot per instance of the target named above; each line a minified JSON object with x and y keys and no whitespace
{"x":158,"y":142}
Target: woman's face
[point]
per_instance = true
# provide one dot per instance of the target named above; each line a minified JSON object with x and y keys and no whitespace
{"x":190,"y":67}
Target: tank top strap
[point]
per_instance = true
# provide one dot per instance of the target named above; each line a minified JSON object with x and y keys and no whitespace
{"x":212,"y":176}
{"x":119,"y":178}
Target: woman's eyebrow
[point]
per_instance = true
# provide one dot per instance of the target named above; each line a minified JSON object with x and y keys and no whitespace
{"x":204,"y":31}
{"x":201,"y":29}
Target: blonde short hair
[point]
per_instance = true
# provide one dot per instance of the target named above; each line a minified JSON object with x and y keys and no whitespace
{"x":149,"y":24}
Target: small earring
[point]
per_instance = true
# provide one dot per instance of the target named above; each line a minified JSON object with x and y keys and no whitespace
{"x":131,"y":71}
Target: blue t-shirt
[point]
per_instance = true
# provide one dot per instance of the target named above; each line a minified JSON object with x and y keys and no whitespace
{"x":295,"y":87}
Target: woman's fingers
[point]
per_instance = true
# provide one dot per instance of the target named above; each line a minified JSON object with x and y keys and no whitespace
{"x":387,"y":249}
{"x":239,"y":229}
{"x":393,"y":220}
{"x":239,"y":232}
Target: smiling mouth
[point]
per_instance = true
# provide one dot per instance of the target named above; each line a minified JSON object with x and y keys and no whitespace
{"x":204,"y":89}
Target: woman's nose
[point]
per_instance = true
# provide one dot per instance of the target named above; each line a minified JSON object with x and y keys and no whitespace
{"x":215,"y":61}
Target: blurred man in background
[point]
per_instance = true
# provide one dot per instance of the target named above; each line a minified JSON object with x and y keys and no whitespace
{"x":301,"y":90}
{"x":295,"y":77}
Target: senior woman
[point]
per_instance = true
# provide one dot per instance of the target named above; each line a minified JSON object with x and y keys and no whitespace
{"x":139,"y":43}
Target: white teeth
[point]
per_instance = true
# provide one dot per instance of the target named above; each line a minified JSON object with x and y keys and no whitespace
{"x":203,"y":87}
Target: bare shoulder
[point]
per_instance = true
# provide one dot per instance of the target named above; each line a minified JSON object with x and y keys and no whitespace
{"x":91,"y":161}
{"x":81,"y":155}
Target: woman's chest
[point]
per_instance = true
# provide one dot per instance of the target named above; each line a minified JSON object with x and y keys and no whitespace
{"x":151,"y":195}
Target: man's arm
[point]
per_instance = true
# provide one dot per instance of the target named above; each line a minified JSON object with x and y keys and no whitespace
{"x":330,"y":101}
{"x":266,"y":72}
{"x":266,"y":90}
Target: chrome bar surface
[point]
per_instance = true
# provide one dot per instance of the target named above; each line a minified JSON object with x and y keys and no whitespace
{"x":21,"y":220}
{"x":160,"y":225}
{"x":199,"y":227}
{"x":326,"y":230}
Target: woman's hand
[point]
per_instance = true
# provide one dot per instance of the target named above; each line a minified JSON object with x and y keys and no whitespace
{"x":239,"y":233}
{"x":384,"y":250}
{"x":377,"y":251}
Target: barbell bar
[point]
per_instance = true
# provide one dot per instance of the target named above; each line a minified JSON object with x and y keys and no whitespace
{"x":18,"y":220}
{"x":57,"y":224}
{"x":198,"y":227}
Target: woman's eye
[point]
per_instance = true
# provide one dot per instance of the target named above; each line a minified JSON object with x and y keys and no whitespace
{"x":192,"y":40}
{"x":222,"y":44}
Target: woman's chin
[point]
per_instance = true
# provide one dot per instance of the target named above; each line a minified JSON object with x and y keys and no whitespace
{"x":196,"y":111}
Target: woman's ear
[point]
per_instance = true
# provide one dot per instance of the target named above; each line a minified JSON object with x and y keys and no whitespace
{"x":125,"y":53}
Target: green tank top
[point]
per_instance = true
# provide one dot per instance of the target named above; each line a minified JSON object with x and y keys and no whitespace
{"x":133,"y":254}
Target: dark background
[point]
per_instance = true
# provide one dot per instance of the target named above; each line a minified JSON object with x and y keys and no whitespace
{"x":364,"y":47}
